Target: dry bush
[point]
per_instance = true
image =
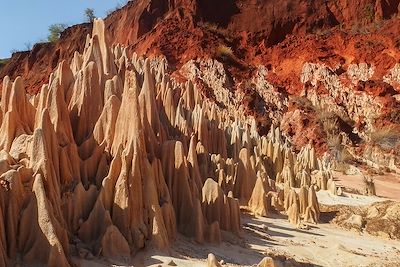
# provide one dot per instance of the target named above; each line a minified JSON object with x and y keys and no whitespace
{"x":225,"y":52}
{"x":342,"y":154}
{"x":55,"y":31}
{"x":330,"y":123}
{"x":302,"y":102}
{"x":343,"y":158}
{"x":369,"y":186}
{"x":215,"y":28}
{"x":333,"y":141}
{"x":387,"y":138}
{"x":394,"y":116}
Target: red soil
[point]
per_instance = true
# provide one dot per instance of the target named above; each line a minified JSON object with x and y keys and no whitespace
{"x":282,"y":35}
{"x":36,"y":65}
{"x":176,"y":29}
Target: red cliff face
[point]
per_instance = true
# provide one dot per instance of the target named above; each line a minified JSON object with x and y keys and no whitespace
{"x":281,"y":35}
{"x":36,"y":65}
{"x":146,"y":24}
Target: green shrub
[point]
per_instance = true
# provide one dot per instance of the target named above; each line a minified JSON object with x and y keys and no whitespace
{"x":55,"y":31}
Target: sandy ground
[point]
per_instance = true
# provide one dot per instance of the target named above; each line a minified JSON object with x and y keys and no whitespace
{"x":347,"y":199}
{"x":387,"y":185}
{"x":327,"y":245}
{"x":321,"y":245}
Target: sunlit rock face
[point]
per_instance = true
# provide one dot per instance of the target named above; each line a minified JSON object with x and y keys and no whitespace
{"x":113,"y":155}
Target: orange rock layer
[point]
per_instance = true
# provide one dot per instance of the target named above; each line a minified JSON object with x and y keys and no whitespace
{"x":114,"y":155}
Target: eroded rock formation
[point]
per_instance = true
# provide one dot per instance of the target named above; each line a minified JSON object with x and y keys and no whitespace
{"x":114,"y":155}
{"x":300,"y":63}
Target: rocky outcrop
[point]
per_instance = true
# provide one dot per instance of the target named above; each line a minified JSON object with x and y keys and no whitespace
{"x":145,"y":24}
{"x":114,"y":155}
{"x":378,"y":219}
{"x":353,"y":104}
{"x":315,"y":53}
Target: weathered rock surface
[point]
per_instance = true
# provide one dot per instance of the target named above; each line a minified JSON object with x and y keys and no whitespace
{"x":114,"y":155}
{"x":290,"y":64}
{"x":379,"y":219}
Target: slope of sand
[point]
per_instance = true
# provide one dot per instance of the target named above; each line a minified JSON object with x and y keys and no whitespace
{"x":321,"y":245}
{"x":324,"y":244}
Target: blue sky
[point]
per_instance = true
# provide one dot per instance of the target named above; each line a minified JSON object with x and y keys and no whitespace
{"x":25,"y":22}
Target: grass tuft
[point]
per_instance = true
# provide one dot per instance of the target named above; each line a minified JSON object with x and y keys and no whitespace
{"x":224,"y":51}
{"x":387,"y":137}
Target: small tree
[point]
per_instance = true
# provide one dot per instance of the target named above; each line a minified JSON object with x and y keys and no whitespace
{"x":55,"y":31}
{"x":89,"y":14}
